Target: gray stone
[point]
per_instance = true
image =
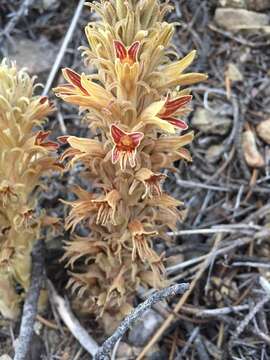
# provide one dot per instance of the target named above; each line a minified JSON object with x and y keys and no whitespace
{"x":241,"y":4}
{"x":144,"y":328}
{"x":258,"y":5}
{"x":37,"y":56}
{"x":214,"y":152}
{"x":211,"y":123}
{"x":263,"y":130}
{"x":233,"y":72}
{"x":237,"y":19}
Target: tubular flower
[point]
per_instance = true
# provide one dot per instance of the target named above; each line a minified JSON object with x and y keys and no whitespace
{"x":107,"y":208}
{"x":82,"y":91}
{"x":151,"y":181}
{"x":143,"y":250}
{"x":82,"y":209}
{"x":171,"y":107}
{"x":135,"y":110}
{"x":127,"y":68}
{"x":7,"y":192}
{"x":150,"y":115}
{"x":25,"y":156}
{"x":170,"y":72}
{"x":40,"y":141}
{"x":125,"y":146}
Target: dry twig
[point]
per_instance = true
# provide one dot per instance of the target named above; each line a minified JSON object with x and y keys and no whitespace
{"x":23,"y":9}
{"x":87,"y":342}
{"x":182,"y":301}
{"x":31,"y":302}
{"x":247,"y":319}
{"x":63,"y":48}
{"x":105,"y":349}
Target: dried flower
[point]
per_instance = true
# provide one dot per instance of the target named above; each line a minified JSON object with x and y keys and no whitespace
{"x":107,"y":208}
{"x":263,"y":130}
{"x":251,"y":152}
{"x":135,"y":111}
{"x":151,"y":181}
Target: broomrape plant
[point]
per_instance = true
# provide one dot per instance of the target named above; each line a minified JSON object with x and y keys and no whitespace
{"x":24,"y":157}
{"x":134,"y":105}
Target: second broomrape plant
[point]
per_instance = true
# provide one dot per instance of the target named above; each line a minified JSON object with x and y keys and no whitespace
{"x":132,"y":105}
{"x":25,"y":155}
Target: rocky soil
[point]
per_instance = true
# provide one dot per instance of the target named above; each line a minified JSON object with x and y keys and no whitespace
{"x":223,"y":245}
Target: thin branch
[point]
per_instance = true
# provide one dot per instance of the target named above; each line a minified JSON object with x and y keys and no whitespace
{"x":189,"y":342}
{"x":183,"y":299}
{"x":219,"y":252}
{"x":222,"y":228}
{"x":31,"y":302}
{"x":106,"y":348}
{"x":63,"y":48}
{"x":243,"y":324}
{"x":86,"y":341}
{"x":204,"y":313}
{"x":222,"y":188}
{"x":23,"y":9}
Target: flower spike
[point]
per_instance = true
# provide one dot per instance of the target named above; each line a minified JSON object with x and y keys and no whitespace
{"x":135,"y":114}
{"x":25,"y":157}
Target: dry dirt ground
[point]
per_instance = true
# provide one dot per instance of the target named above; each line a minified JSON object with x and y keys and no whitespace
{"x":223,"y":245}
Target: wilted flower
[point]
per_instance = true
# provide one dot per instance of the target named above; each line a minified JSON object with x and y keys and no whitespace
{"x":107,"y":208}
{"x":151,"y":181}
{"x":41,"y":138}
{"x":7,"y":192}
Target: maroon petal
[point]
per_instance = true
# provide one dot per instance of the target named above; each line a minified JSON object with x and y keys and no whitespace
{"x":116,"y":133}
{"x":171,"y":106}
{"x":41,"y":136}
{"x":75,"y":79}
{"x":176,"y":122}
{"x":120,"y":49}
{"x":133,"y":51}
{"x":115,"y":154}
{"x":43,"y":99}
{"x":136,"y":138}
